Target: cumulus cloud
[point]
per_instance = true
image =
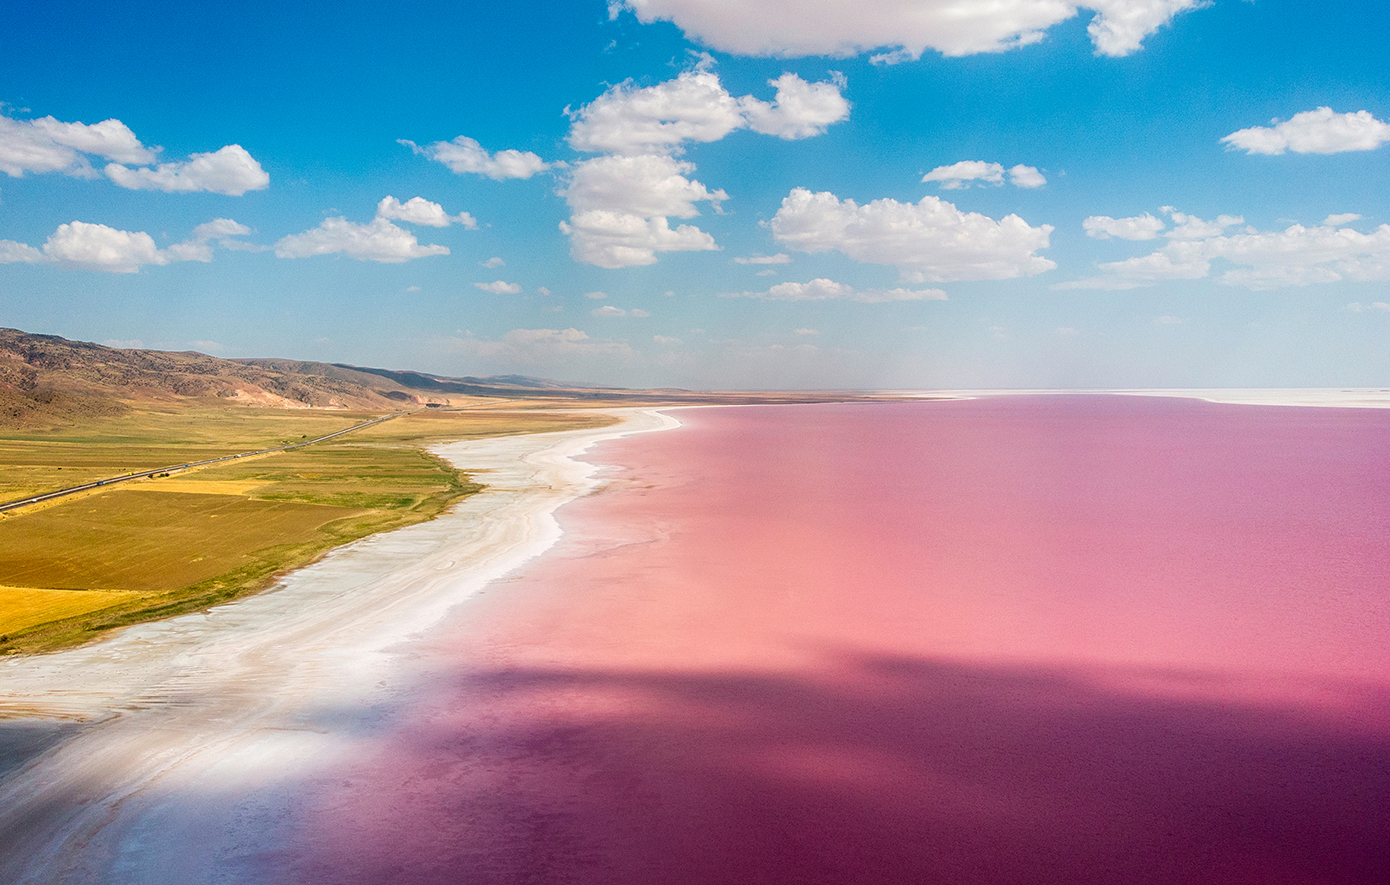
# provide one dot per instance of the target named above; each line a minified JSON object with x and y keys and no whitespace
{"x":1320,"y":131}
{"x":1190,"y":227}
{"x":379,"y":240}
{"x":821,"y":289}
{"x":544,"y":347}
{"x":84,"y":246}
{"x":1295,"y":256}
{"x":907,"y":28}
{"x":1026,"y":176}
{"x":500,"y":287}
{"x":1138,"y":227}
{"x":418,"y":210}
{"x":930,"y":240}
{"x":622,"y":203}
{"x":799,"y":110}
{"x":49,"y":145}
{"x":616,"y":239}
{"x":608,"y":310}
{"x":779,"y":258}
{"x":963,"y":174}
{"x":959,"y":175}
{"x":1358,"y":307}
{"x":466,"y":155}
{"x":497,"y":261}
{"x":220,"y":229}
{"x":695,"y":106}
{"x":647,"y":185}
{"x":1344,"y":218}
{"x":230,"y":170}
{"x":12,"y":252}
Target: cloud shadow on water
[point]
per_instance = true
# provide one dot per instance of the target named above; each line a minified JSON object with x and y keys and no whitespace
{"x":868,"y":769}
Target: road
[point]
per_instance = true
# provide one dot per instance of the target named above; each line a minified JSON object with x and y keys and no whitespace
{"x":48,"y":496}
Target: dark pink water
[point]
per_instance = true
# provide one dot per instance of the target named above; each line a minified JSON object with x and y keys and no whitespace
{"x":1016,"y":640}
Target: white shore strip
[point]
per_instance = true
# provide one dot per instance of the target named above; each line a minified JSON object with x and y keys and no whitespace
{"x":1327,"y":397}
{"x":198,"y":727}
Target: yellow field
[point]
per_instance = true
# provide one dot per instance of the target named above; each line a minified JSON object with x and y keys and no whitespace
{"x":22,"y":607}
{"x":157,"y":547}
{"x":148,"y":540}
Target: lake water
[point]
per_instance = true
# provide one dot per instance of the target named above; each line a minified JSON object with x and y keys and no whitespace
{"x":1008,"y":640}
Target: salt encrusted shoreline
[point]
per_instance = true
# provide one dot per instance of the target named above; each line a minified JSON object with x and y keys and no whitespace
{"x":192,"y":731}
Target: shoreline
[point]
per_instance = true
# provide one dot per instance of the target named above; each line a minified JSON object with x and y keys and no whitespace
{"x":246,"y":698}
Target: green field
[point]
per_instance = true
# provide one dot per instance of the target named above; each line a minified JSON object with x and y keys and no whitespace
{"x":150,"y":548}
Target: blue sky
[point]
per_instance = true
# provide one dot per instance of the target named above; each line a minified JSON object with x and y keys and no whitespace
{"x":702,"y":193}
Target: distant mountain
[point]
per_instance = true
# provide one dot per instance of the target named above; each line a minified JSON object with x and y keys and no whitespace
{"x":44,"y":378}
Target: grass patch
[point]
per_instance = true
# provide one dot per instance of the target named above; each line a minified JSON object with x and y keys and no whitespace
{"x":165,"y":546}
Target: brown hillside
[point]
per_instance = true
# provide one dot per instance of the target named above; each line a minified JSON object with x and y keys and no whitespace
{"x":46,"y":378}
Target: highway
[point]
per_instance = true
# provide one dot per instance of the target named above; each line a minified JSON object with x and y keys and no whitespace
{"x":48,"y":496}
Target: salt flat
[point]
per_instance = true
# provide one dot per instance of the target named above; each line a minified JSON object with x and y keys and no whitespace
{"x":182,"y":737}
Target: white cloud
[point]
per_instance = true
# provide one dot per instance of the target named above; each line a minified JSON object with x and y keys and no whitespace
{"x":1320,"y":131}
{"x":597,"y":296}
{"x":1026,"y":176}
{"x":766,"y":273}
{"x":695,"y":106}
{"x":1343,"y":218}
{"x":220,"y":229}
{"x":124,"y":343}
{"x":544,"y":347}
{"x":648,"y":185}
{"x":543,"y":290}
{"x":821,"y":289}
{"x":1138,"y":227}
{"x":418,"y":210}
{"x":49,"y":145}
{"x":656,"y":119}
{"x":779,"y":258}
{"x":608,"y":310}
{"x":1190,"y":227}
{"x":793,"y":28}
{"x":622,"y":203}
{"x":930,"y":240}
{"x":1258,"y":260}
{"x":379,"y":240}
{"x":465,"y":154}
{"x":805,"y":332}
{"x":639,"y":312}
{"x":98,"y":247}
{"x":800,"y":109}
{"x":496,"y":261}
{"x":958,"y":175}
{"x":615,"y":239}
{"x":665,"y":339}
{"x":230,"y":170}
{"x":1358,"y":307}
{"x":21,"y":253}
{"x":500,"y":287}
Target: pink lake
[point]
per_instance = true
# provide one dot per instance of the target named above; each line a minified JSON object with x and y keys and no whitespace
{"x":1009,"y":640}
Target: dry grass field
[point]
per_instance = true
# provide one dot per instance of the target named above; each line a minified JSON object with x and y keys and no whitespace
{"x":78,"y":566}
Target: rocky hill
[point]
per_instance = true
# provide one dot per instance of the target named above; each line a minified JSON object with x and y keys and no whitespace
{"x":44,"y":378}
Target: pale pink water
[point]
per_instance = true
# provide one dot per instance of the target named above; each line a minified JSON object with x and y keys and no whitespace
{"x":1016,"y":640}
